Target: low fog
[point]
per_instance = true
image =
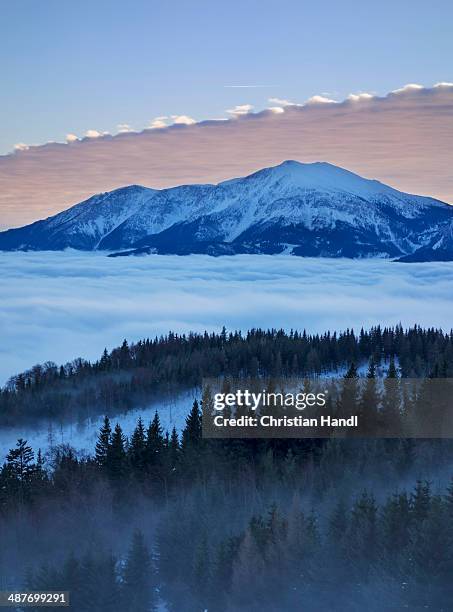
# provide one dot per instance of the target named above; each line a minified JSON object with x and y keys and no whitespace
{"x":58,"y":306}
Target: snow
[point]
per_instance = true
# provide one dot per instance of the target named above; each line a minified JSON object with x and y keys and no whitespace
{"x":317,"y":195}
{"x":82,"y":436}
{"x":324,"y":177}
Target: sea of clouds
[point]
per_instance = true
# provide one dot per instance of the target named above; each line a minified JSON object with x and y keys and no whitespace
{"x":58,"y":306}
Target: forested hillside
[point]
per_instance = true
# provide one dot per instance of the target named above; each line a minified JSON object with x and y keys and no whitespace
{"x":172,"y":519}
{"x":134,"y":374}
{"x":231,"y":525}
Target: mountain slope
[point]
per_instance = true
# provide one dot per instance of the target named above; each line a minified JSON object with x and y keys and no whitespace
{"x":439,"y":249}
{"x":82,"y":226}
{"x":305,"y":209}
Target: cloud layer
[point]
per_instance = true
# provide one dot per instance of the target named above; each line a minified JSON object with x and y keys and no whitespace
{"x":403,"y":139}
{"x":58,"y":306}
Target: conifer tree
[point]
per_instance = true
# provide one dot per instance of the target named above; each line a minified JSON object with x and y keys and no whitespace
{"x":124,"y":353}
{"x":154,"y":442}
{"x":348,"y":399}
{"x":105,"y":361}
{"x":363,"y":532}
{"x":369,"y":402}
{"x":396,"y":522}
{"x":338,"y":529}
{"x":191,"y":434}
{"x":18,"y":470}
{"x":103,"y":443}
{"x":431,"y":554}
{"x":40,"y":461}
{"x":391,"y":401}
{"x":116,"y":455}
{"x":296,"y":534}
{"x":222,"y":569}
{"x":138,"y":586}
{"x":137,"y":448}
{"x":20,"y":460}
{"x":420,"y":501}
{"x":192,"y":463}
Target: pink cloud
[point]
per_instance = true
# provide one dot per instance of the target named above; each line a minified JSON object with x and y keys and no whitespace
{"x":403,"y":139}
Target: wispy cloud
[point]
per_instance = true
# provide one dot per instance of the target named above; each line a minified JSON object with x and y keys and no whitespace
{"x":408,"y":87}
{"x":124,"y":128}
{"x":320,"y":100}
{"x":361,"y":97}
{"x":21,"y":146}
{"x":240,"y":109}
{"x":183,"y":120}
{"x":94,"y":134}
{"x":158,"y":122}
{"x":249,"y":86}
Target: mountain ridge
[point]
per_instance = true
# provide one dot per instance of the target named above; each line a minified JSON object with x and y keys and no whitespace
{"x":316,"y":209}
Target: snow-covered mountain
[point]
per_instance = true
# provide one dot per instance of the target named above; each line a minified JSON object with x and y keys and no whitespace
{"x":306,"y":209}
{"x":439,"y":249}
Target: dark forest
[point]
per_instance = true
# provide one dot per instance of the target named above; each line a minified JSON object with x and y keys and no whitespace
{"x":171,"y":521}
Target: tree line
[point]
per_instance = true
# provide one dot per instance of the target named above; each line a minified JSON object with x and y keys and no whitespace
{"x":132,"y":374}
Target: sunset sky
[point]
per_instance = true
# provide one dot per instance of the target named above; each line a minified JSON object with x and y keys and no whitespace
{"x":96,"y":95}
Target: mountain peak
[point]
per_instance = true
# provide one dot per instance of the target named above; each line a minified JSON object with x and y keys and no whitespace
{"x":294,"y":163}
{"x":130,"y":189}
{"x":318,"y":176}
{"x":312,"y":209}
{"x":319,"y":169}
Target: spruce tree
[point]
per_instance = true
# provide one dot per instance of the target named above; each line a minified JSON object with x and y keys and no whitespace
{"x":105,"y":361}
{"x":391,"y":402}
{"x":363,"y":533}
{"x":18,"y":470}
{"x":103,"y":443}
{"x":348,"y":399}
{"x":369,"y":403}
{"x":116,"y":456}
{"x":338,"y":525}
{"x":222,"y":569}
{"x":20,"y":460}
{"x":137,"y":448}
{"x":138,"y":586}
{"x":420,"y":501}
{"x":191,"y":434}
{"x":154,"y":443}
{"x":396,"y":522}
